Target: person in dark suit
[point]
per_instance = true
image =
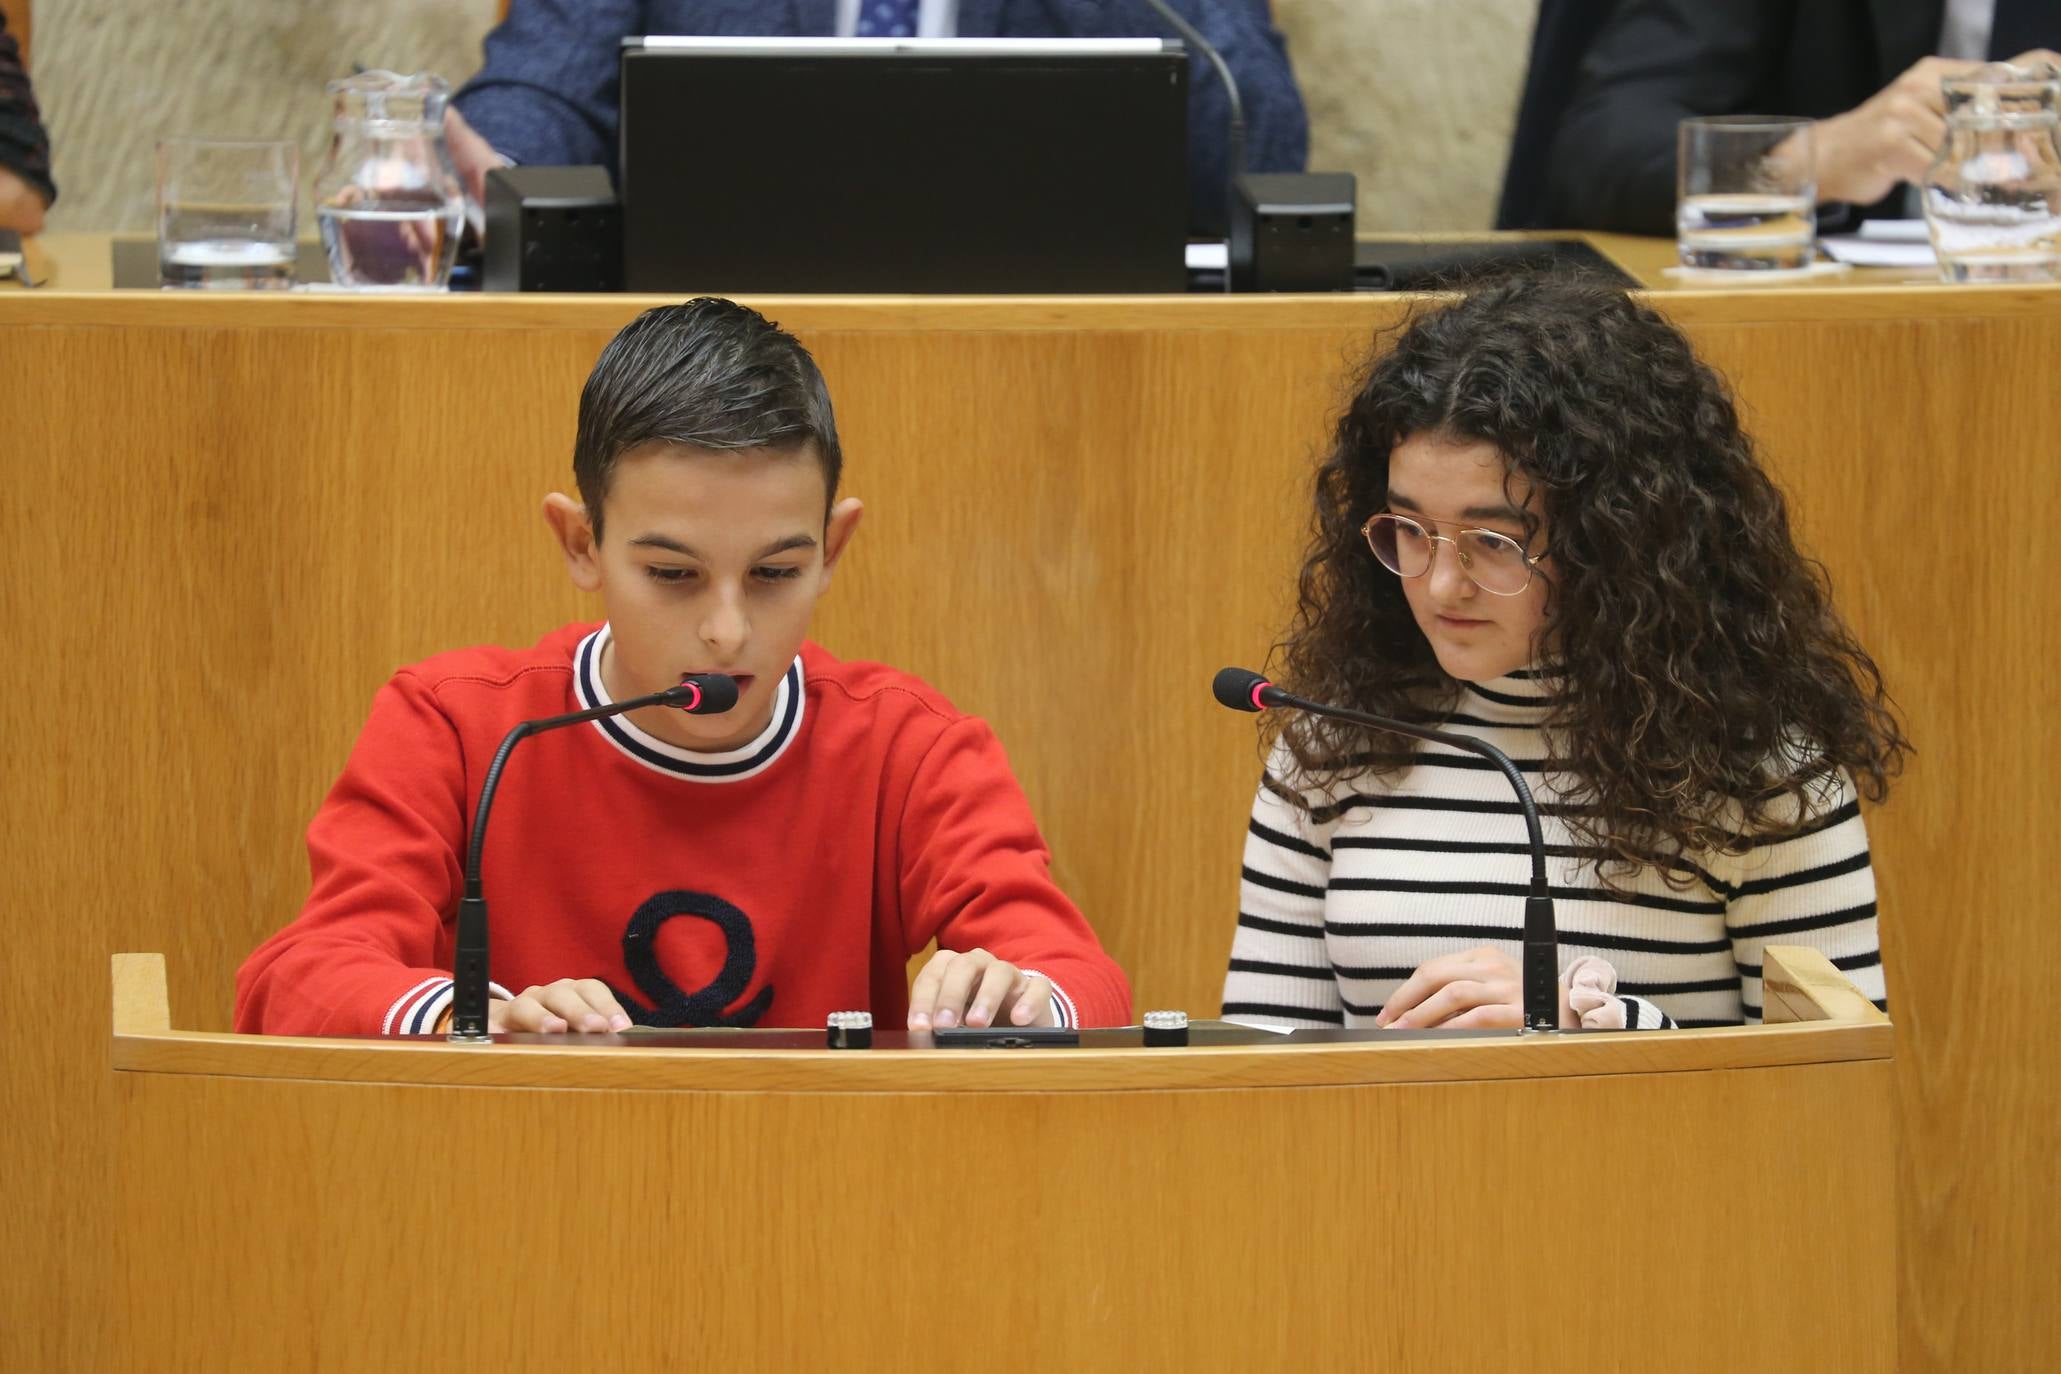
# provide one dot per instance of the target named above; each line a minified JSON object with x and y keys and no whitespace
{"x":1868,"y":70}
{"x":1560,"y":39}
{"x":25,"y":186}
{"x":547,"y":93}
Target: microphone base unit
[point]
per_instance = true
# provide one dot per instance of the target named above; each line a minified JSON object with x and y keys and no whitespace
{"x":469,"y":976}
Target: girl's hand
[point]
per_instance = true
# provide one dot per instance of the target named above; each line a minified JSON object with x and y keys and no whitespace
{"x":1482,"y":988}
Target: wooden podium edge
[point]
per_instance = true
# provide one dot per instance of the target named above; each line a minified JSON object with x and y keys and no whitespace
{"x":1800,"y":984}
{"x":144,"y":1042}
{"x":1896,"y":300}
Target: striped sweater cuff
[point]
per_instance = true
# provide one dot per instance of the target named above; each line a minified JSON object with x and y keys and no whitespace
{"x":1640,"y":1014}
{"x":416,"y":1011}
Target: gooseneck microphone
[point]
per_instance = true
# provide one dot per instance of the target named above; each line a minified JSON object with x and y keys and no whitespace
{"x":704,"y":694}
{"x":1241,"y":689}
{"x":1194,"y":39}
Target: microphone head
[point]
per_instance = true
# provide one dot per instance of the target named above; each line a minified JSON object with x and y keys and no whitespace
{"x":708,"y":694}
{"x":1240,"y":689}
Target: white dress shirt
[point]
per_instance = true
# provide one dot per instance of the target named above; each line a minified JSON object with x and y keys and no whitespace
{"x":1964,"y":29}
{"x":934,"y":18}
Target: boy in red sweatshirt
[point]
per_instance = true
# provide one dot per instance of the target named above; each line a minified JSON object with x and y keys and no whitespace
{"x":759,"y":868}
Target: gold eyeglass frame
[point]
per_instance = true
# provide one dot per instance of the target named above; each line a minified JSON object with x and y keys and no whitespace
{"x":1531,"y":563}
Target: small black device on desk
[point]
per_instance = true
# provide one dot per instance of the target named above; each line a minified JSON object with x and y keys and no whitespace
{"x":1406,"y":264}
{"x":552,"y":229}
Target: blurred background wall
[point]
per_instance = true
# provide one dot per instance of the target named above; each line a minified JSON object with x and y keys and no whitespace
{"x":1415,"y":96}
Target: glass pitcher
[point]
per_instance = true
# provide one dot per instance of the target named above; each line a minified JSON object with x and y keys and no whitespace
{"x":1993,"y":193}
{"x":388,"y":200}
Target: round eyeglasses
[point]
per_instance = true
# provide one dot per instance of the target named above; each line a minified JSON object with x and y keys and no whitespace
{"x":1496,"y":563}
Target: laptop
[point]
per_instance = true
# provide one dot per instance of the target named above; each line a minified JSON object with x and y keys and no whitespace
{"x":903,"y":165}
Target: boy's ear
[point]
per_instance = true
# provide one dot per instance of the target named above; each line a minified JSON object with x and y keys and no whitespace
{"x":837,"y":532}
{"x":575,"y":534}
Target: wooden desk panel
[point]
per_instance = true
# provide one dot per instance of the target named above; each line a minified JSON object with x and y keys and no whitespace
{"x":1384,"y":1203}
{"x":229,"y":519}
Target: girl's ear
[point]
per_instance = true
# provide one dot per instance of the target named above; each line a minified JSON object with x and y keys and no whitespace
{"x":575,"y":534}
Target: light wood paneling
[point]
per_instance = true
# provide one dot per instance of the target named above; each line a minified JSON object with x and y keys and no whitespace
{"x":229,"y":519}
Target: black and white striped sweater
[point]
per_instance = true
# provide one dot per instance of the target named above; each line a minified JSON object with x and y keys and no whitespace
{"x":1343,"y":898}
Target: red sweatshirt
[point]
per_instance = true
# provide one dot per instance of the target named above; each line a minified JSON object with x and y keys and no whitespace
{"x":767,"y":886}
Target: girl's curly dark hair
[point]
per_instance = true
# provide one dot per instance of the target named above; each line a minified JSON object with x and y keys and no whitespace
{"x":1710,"y":685}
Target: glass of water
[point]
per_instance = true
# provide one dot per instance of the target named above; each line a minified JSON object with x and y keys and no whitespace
{"x":1747,"y":194}
{"x":225,"y":212}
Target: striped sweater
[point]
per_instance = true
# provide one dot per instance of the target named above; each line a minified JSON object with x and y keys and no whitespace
{"x":1345,"y":895}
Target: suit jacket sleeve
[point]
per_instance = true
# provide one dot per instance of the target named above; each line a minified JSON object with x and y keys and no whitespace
{"x":548,"y":91}
{"x":24,"y":145}
{"x":975,"y":874}
{"x":1655,"y":64}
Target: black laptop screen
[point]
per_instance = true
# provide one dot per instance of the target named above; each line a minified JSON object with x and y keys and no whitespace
{"x":876,"y":165}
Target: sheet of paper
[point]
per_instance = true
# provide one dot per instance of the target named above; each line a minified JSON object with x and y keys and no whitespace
{"x":1862,"y":250}
{"x":1896,"y":230}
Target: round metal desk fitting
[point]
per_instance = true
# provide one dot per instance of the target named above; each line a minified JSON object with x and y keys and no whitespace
{"x":850,"y":1030}
{"x":1166,"y":1028}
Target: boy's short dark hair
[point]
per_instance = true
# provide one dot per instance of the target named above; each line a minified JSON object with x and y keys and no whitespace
{"x":709,"y":373}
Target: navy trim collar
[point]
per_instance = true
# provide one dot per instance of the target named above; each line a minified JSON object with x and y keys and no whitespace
{"x":735,"y":765}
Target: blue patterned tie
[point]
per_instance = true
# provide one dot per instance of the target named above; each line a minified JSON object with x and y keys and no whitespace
{"x":887,"y":19}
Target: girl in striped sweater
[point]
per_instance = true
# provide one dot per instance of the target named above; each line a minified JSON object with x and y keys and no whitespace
{"x":1541,"y":524}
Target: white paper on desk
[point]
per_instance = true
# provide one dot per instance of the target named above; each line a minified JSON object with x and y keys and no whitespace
{"x":1896,"y":230}
{"x":1862,"y":250}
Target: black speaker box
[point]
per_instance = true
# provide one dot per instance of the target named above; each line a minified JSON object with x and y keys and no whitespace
{"x":552,"y":229}
{"x":1292,"y":231}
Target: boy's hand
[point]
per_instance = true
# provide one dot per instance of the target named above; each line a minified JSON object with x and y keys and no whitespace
{"x":977,"y":989}
{"x":570,"y":1004}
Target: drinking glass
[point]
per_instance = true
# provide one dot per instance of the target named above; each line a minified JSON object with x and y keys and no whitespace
{"x":1740,"y":205}
{"x":225,"y":212}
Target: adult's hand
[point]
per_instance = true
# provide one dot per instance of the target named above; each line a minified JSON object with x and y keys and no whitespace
{"x":21,"y":205}
{"x":1889,"y":138}
{"x":472,"y":155}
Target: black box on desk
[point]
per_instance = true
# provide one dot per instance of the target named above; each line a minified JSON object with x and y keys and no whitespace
{"x":552,"y":229}
{"x":1292,"y":231}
